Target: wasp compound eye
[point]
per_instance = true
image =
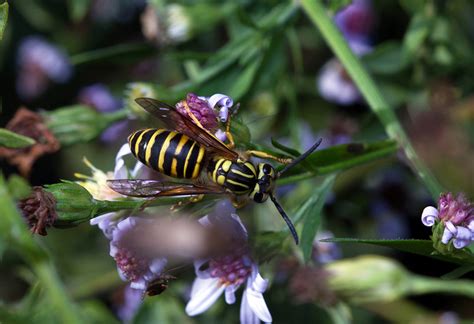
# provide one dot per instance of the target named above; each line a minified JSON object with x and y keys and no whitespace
{"x":267,"y":168}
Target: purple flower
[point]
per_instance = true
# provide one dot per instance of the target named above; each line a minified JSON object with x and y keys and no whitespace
{"x":206,"y":111}
{"x":99,"y":97}
{"x":333,"y":82}
{"x":134,"y":266}
{"x":132,"y":299}
{"x":40,"y":62}
{"x":226,"y":273}
{"x":457,"y":215}
{"x":356,"y":21}
{"x":325,"y":252}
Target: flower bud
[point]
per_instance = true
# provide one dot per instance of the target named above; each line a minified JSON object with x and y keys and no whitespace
{"x":74,"y":204}
{"x":60,"y":204}
{"x":368,"y":279}
{"x":79,"y":123}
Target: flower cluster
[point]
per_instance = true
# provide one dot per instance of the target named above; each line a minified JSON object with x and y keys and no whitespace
{"x":226,"y":273}
{"x":355,"y":23}
{"x":207,"y":111}
{"x":40,"y":62}
{"x":456,"y":215}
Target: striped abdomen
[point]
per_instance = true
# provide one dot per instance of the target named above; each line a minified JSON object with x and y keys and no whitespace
{"x":237,"y":176}
{"x":168,"y":152}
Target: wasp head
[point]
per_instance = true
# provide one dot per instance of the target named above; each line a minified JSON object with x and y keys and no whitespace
{"x":265,"y":183}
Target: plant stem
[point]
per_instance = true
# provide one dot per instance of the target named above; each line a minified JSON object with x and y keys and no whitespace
{"x":317,"y":13}
{"x":424,"y":285}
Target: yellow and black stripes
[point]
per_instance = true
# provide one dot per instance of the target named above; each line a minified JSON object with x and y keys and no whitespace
{"x":168,"y":152}
{"x":238,"y":176}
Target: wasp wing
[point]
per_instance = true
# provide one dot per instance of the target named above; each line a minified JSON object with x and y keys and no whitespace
{"x":156,"y":188}
{"x":184,"y":124}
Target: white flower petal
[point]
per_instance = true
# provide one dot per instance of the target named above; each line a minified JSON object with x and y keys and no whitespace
{"x":463,"y":233}
{"x":202,"y":274}
{"x":429,"y":216}
{"x":137,"y":170}
{"x":139,"y":284}
{"x":230,"y":294}
{"x":258,"y":305}
{"x":460,"y":243}
{"x":157,"y":265}
{"x":120,"y":170}
{"x":247,"y":316}
{"x":259,"y":284}
{"x":102,"y":218}
{"x":204,"y":294}
{"x":471,"y":226}
{"x":220,"y":100}
{"x":447,"y":235}
{"x":221,"y":135}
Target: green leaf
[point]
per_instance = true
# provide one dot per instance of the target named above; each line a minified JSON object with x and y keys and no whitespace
{"x":3,"y":18}
{"x":78,"y":9}
{"x":14,"y":140}
{"x":418,"y":31}
{"x":336,"y":5}
{"x":268,"y":245}
{"x":340,"y":157}
{"x":117,"y":52}
{"x":421,"y":247}
{"x":387,"y":58}
{"x":18,"y":187}
{"x":311,"y":212}
{"x":458,"y":272}
{"x":285,"y":148}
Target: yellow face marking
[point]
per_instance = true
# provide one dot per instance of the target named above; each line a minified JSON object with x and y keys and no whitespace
{"x":221,"y":180}
{"x":150,"y":145}
{"x":166,"y":144}
{"x":240,"y":173}
{"x":137,"y":143}
{"x":226,"y":165}
{"x":237,"y":184}
{"x":198,"y":164}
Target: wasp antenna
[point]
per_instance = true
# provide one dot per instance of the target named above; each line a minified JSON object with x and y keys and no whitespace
{"x":286,"y":218}
{"x":301,"y":157}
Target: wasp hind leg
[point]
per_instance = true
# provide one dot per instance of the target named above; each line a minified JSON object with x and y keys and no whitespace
{"x":264,"y":155}
{"x":228,"y":134}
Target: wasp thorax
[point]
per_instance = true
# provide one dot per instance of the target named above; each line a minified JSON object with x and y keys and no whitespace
{"x":265,"y":183}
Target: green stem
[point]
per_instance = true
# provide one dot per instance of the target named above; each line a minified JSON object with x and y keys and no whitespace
{"x":109,"y":206}
{"x":116,"y":115}
{"x":317,"y":13}
{"x":425,"y":285}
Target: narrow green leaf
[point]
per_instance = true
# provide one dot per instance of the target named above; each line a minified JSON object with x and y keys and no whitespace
{"x":311,"y":212}
{"x":458,"y":272}
{"x":419,"y":29}
{"x":113,"y":52}
{"x":3,"y":18}
{"x":339,"y":157}
{"x":14,"y":140}
{"x":421,"y":247}
{"x":285,"y":148}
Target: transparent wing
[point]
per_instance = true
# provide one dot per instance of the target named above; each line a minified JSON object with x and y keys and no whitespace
{"x":183,"y":124}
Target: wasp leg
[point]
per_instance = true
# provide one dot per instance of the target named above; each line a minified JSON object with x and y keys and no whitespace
{"x":228,"y":134}
{"x":191,"y":200}
{"x":264,"y":155}
{"x":238,"y":203}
